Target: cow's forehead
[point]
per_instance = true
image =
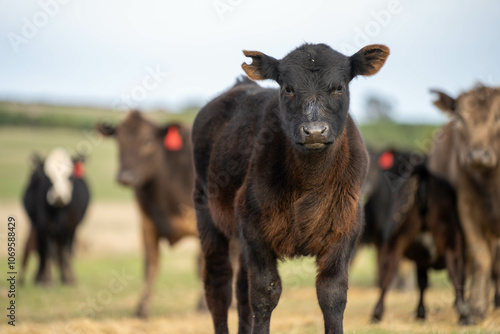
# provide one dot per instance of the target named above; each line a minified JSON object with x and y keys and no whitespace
{"x":479,"y":103}
{"x":317,"y":62}
{"x":134,"y":123}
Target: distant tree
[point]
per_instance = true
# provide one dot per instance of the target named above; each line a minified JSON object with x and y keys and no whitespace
{"x":378,"y":109}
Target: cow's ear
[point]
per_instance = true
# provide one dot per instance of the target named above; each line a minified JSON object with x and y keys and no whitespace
{"x":262,"y":67}
{"x":105,"y":129}
{"x":369,"y":60}
{"x":35,"y":161}
{"x":172,"y":137}
{"x":444,"y":102}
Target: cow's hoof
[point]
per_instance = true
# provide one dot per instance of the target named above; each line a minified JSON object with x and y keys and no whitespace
{"x":378,"y":312}
{"x":421,"y":313}
{"x":376,"y":317}
{"x":141,"y":313}
{"x":68,"y":281}
{"x":43,"y":282}
{"x":477,"y":316}
{"x":466,"y":320}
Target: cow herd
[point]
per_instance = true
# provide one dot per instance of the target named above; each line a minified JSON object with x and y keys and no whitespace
{"x":267,"y":174}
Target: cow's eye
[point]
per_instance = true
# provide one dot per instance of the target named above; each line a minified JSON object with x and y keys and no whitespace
{"x":338,"y":90}
{"x":288,"y":91}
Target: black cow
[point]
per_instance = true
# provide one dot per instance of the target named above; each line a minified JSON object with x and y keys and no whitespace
{"x":388,"y":170}
{"x":283,"y":171}
{"x":55,"y":200}
{"x":424,"y":226}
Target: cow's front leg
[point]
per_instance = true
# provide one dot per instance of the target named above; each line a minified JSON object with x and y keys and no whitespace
{"x":478,"y":253}
{"x":332,"y":284}
{"x":264,"y":283}
{"x":151,"y":249}
{"x":64,"y":258}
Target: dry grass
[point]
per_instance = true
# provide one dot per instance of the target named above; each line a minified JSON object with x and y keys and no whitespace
{"x":109,"y":240}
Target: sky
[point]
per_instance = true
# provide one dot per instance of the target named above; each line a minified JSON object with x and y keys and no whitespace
{"x":156,"y":53}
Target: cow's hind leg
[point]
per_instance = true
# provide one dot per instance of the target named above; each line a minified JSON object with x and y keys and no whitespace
{"x":151,"y":241}
{"x":43,"y":275}
{"x":389,"y":260}
{"x":244,"y":309}
{"x":217,"y":271}
{"x":423,"y":281}
{"x":28,"y":248}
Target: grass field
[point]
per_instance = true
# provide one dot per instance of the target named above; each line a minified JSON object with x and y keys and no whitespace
{"x":108,"y":244}
{"x":109,"y":247}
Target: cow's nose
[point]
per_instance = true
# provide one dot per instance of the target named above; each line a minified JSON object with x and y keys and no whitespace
{"x":315,"y":133}
{"x":480,"y":159}
{"x":125,"y":178}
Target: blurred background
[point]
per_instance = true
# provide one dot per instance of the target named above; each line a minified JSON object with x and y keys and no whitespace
{"x":65,"y":65}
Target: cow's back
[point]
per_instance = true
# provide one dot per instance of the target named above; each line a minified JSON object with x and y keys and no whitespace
{"x":224,"y":134}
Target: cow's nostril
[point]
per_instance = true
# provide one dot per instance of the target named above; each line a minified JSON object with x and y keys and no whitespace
{"x":306,"y":131}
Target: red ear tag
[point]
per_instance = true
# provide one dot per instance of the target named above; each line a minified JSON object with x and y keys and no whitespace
{"x":173,"y":140}
{"x":78,"y":169}
{"x":386,"y":160}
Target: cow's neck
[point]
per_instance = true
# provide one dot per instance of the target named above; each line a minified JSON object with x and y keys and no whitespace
{"x":483,"y":190}
{"x":153,"y":192}
{"x":313,"y":170}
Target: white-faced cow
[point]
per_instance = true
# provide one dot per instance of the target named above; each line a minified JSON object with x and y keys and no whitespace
{"x":56,"y":199}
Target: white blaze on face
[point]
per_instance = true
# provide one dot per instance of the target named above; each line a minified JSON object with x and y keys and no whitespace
{"x":58,"y":167}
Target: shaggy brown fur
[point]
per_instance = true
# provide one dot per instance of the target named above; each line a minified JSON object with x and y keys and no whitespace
{"x":283,"y":171}
{"x":466,"y":154}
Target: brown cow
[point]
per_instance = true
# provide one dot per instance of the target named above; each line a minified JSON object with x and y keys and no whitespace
{"x":157,"y":163}
{"x":282,"y":169}
{"x":466,"y":153}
